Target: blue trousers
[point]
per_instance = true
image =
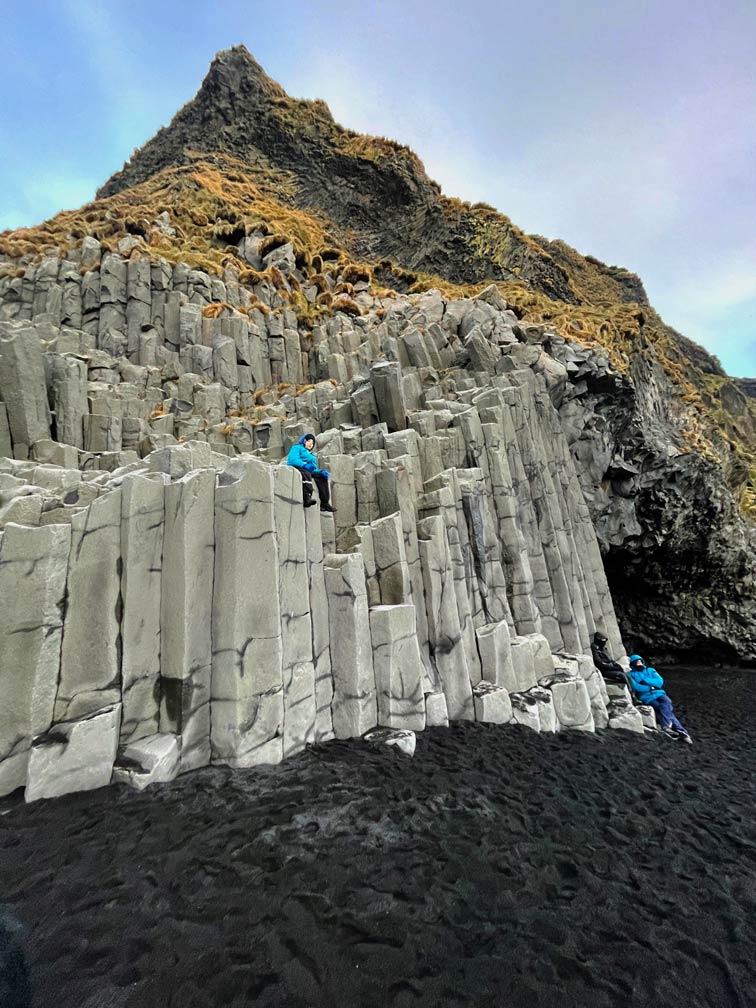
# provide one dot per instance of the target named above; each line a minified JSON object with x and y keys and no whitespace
{"x":665,"y":713}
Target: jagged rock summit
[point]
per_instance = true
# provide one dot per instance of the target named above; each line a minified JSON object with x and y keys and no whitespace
{"x":374,"y":191}
{"x":168,"y":602}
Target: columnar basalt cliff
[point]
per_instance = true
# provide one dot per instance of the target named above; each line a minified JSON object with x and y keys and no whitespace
{"x":253,"y":274}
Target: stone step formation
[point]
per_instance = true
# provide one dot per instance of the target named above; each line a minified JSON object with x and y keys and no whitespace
{"x":168,"y":603}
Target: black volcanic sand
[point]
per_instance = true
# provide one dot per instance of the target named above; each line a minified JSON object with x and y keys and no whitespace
{"x":495,"y":868}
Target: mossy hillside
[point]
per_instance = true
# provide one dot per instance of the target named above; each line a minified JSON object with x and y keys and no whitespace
{"x":214,"y":202}
{"x":244,"y":158}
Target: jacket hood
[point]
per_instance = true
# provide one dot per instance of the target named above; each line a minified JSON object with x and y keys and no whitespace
{"x":305,"y":438}
{"x":599,"y":638}
{"x":635,"y":657}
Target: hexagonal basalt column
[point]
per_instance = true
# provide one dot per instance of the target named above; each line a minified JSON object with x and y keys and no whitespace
{"x":398,"y":669}
{"x":354,"y":698}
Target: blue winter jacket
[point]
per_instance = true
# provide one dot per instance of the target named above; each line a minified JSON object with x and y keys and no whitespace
{"x":647,"y":682}
{"x":301,"y":457}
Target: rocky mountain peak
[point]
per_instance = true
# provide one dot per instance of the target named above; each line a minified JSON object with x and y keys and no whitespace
{"x":237,"y":71}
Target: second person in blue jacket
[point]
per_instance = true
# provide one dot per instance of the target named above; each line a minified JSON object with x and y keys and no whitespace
{"x":302,"y":457}
{"x":649,"y":688}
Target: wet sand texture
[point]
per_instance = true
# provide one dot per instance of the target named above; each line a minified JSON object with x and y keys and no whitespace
{"x":498,"y":867}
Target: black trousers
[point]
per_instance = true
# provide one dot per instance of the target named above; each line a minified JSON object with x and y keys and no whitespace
{"x":615,"y":678}
{"x":321,"y":482}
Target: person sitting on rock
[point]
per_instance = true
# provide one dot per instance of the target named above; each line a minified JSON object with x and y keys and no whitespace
{"x":611,"y":670}
{"x":302,"y":457}
{"x":648,"y":686}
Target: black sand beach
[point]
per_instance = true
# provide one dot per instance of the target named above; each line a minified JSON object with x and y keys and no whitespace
{"x":495,"y":868}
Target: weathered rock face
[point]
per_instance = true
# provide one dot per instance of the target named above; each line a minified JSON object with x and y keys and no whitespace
{"x":678,"y":553}
{"x":176,"y":604}
{"x":375,"y":191}
{"x":180,"y":607}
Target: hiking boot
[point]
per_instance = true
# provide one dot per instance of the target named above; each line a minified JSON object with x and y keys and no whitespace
{"x":327,"y":507}
{"x":310,"y":503}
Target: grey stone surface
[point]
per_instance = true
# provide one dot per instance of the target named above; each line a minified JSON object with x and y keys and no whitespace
{"x":572,"y":704}
{"x":386,"y":379}
{"x":623,"y":715}
{"x":90,"y":672}
{"x":247,"y":674}
{"x":354,"y":704}
{"x":390,"y":560}
{"x":525,"y":710}
{"x":648,"y":716}
{"x":296,"y":623}
{"x":321,"y":647}
{"x":444,"y":628}
{"x":142,"y":524}
{"x":398,"y":668}
{"x":149,"y":760}
{"x":495,"y":650}
{"x":403,"y":740}
{"x":23,"y":386}
{"x":33,"y":571}
{"x":492,"y":703}
{"x":68,"y":381}
{"x":6,"y":445}
{"x":547,"y":717}
{"x":523,"y":665}
{"x":436,"y":714}
{"x":458,"y":500}
{"x":77,"y":756}
{"x":185,"y":615}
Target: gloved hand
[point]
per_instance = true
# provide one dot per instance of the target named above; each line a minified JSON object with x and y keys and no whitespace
{"x":324,"y":472}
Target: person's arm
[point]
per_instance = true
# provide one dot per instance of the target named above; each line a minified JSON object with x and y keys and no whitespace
{"x":603,"y":662}
{"x":637,"y":680}
{"x":299,"y":456}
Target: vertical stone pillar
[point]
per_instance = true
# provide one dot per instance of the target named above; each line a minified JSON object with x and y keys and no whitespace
{"x":522,"y":461}
{"x":514,"y":552}
{"x":600,"y":613}
{"x":247,"y":680}
{"x":33,"y":570}
{"x":398,"y":668}
{"x":366,"y":467}
{"x":6,"y":445}
{"x":550,"y":519}
{"x":444,"y":629}
{"x":185,"y":615}
{"x":441,"y":500}
{"x":138,"y":302}
{"x":294,"y":600}
{"x":495,"y":649}
{"x":321,"y":647}
{"x":354,"y":700}
{"x":68,"y":380}
{"x":112,"y":326}
{"x":390,"y":561}
{"x":343,"y":492}
{"x":23,"y":387}
{"x":386,"y":379}
{"x":90,"y":670}
{"x":396,"y":493}
{"x":142,"y":524}
{"x":486,"y":552}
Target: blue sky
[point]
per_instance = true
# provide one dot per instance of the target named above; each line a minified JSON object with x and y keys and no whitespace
{"x":626,"y":129}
